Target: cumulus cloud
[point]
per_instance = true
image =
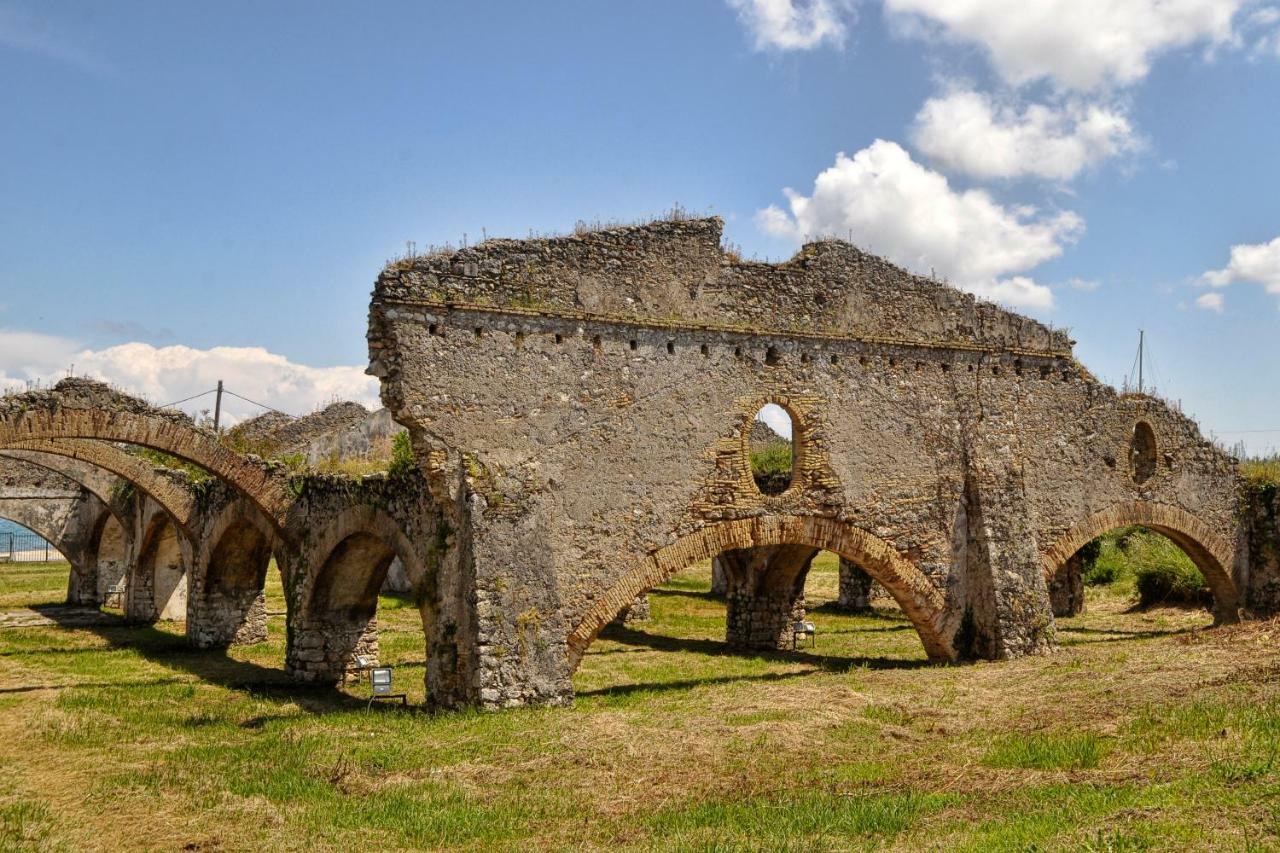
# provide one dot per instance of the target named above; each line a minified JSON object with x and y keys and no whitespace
{"x":1077,"y":44}
{"x":1210,"y":302}
{"x":794,"y":24}
{"x":889,"y":204}
{"x":966,"y":131}
{"x":1258,"y":263}
{"x":165,"y":374}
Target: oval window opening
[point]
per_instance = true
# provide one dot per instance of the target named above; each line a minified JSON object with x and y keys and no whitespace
{"x":772,"y":450}
{"x":1142,"y":451}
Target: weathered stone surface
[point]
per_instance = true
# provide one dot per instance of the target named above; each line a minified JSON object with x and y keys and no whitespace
{"x":583,"y":406}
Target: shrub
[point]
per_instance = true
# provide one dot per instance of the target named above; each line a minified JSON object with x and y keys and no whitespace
{"x":771,"y":467}
{"x":401,"y":455}
{"x":1172,"y":582}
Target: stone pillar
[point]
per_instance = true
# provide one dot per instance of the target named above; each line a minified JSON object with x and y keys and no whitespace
{"x":719,"y":580}
{"x":765,"y":594}
{"x":1005,"y":597}
{"x":637,"y":612}
{"x":219,"y":618}
{"x":855,"y":588}
{"x":1066,"y":588}
{"x":82,"y":585}
{"x":324,"y":652}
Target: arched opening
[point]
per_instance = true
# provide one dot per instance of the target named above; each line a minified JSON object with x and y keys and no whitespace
{"x":340,"y":622}
{"x":1139,"y":566}
{"x":113,"y":562}
{"x":32,"y":570}
{"x":764,"y":564}
{"x":1142,"y":452}
{"x":736,"y":616}
{"x":160,"y":582}
{"x":771,"y":449}
{"x":231,"y":608}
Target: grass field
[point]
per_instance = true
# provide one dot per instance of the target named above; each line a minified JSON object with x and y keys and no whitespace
{"x":1143,"y":732}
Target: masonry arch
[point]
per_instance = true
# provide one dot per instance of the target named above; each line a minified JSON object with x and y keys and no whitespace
{"x":342,"y":578}
{"x":110,"y":551}
{"x":919,"y":599}
{"x":173,"y":497}
{"x":1212,"y":554}
{"x":227,"y":602}
{"x":159,"y":583}
{"x":171,"y":435}
{"x":19,"y":512}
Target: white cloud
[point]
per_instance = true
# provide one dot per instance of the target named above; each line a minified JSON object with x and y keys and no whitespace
{"x":965,"y":131}
{"x":165,"y":374}
{"x":1078,"y":44}
{"x":1210,"y":302}
{"x":794,"y":24}
{"x":777,"y":419}
{"x":893,"y":206}
{"x":1251,"y":262}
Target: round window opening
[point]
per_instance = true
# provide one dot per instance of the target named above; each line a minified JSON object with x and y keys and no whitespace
{"x":772,"y":450}
{"x":1142,"y":452}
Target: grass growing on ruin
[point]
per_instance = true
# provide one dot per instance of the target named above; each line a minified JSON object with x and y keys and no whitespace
{"x":1144,"y":731}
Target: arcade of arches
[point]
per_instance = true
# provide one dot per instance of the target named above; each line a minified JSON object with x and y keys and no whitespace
{"x":583,"y":414}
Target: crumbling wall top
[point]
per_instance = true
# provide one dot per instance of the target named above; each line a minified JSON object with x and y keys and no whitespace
{"x":678,"y":272}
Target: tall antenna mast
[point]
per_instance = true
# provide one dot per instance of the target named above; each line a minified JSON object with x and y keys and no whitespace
{"x":1142,"y":337}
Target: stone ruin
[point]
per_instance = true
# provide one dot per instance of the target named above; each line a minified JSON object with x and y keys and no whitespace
{"x":581,"y":412}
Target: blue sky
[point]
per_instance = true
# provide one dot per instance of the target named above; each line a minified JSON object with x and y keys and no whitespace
{"x":198,"y":192}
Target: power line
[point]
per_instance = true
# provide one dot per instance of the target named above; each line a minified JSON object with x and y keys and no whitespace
{"x":254,"y":402}
{"x":187,"y":399}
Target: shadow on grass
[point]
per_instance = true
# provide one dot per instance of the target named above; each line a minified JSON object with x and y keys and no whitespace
{"x":1117,"y":635}
{"x":686,"y":684}
{"x":214,"y":666}
{"x":630,"y":636}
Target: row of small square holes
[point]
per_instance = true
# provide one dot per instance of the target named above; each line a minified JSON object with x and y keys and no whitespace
{"x":771,"y":354}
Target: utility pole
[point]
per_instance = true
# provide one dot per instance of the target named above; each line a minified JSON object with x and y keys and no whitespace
{"x":217,"y":407}
{"x":1142,"y":340}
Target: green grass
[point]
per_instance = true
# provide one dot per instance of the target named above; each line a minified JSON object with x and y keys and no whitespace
{"x":1139,"y":563}
{"x":1047,"y":751}
{"x":1144,"y":733}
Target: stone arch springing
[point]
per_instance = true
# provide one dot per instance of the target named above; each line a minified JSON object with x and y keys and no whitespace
{"x":1211,"y":553}
{"x":264,"y":487}
{"x":1143,"y":452}
{"x":919,"y":599}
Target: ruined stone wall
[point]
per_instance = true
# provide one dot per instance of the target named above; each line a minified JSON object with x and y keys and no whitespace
{"x":1262,"y":517}
{"x":584,"y":402}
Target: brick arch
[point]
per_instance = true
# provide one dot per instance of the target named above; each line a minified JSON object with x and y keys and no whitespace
{"x":919,"y":599}
{"x":175,"y":500}
{"x":266,"y":489}
{"x":1212,"y":554}
{"x":99,"y":481}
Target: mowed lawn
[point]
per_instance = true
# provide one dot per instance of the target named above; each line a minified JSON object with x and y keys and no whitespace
{"x":1145,"y":731}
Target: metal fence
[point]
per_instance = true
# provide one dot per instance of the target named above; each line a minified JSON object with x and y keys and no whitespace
{"x":26,"y":548}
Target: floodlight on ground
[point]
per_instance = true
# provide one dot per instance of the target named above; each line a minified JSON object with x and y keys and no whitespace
{"x":803,"y":629}
{"x":380,"y":686}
